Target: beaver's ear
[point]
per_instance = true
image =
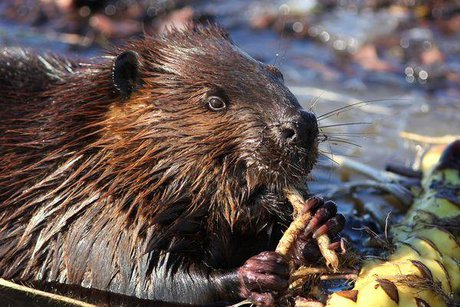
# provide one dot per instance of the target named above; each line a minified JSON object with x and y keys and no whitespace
{"x":125,"y":72}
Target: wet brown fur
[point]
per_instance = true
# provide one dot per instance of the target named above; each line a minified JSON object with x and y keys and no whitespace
{"x":116,"y":194}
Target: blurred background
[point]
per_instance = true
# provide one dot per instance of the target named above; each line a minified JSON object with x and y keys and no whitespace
{"x":389,"y":69}
{"x":403,"y":57}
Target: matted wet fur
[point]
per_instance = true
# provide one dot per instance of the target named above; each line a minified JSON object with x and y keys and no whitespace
{"x":149,"y":194}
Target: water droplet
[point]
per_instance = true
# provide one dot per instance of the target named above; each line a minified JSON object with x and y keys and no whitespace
{"x":110,"y":9}
{"x":324,"y":36}
{"x":339,"y":44}
{"x":284,"y":9}
{"x":423,"y":75}
{"x":409,"y":71}
{"x":314,"y":31}
{"x":84,"y":11}
{"x":410,"y":79}
{"x":297,"y":27}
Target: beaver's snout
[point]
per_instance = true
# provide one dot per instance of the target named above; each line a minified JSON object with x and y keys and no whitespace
{"x":300,"y":129}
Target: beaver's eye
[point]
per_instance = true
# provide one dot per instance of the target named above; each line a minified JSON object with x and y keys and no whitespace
{"x":215,"y":103}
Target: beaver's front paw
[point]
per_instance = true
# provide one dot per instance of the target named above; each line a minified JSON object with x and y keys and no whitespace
{"x":325,"y":220}
{"x":264,"y":278}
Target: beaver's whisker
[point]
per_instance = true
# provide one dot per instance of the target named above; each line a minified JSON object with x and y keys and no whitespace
{"x":342,"y":155}
{"x":347,"y":134}
{"x":329,"y":156}
{"x":337,"y":144}
{"x":344,"y":124}
{"x":340,"y":140}
{"x":353,"y":106}
{"x":338,"y":110}
{"x":313,"y":103}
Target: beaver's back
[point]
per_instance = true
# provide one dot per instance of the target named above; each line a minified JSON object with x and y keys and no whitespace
{"x":27,"y":80}
{"x":24,"y":74}
{"x":24,"y":79}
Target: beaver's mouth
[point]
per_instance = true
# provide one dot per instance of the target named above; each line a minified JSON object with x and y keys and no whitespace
{"x":277,"y":167}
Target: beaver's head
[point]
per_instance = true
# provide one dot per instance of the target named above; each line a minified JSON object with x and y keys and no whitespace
{"x":198,"y":113}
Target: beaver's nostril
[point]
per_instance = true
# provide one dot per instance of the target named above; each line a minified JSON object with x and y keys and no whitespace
{"x":288,"y":134}
{"x":299,"y":129}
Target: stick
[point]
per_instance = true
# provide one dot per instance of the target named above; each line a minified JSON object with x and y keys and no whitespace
{"x":54,"y":297}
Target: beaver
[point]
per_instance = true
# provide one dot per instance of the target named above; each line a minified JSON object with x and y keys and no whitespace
{"x":156,"y":171}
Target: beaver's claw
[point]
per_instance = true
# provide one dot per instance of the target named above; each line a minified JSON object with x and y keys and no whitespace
{"x":325,"y":220}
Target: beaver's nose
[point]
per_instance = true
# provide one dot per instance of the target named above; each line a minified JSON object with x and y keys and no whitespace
{"x":301,"y":130}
